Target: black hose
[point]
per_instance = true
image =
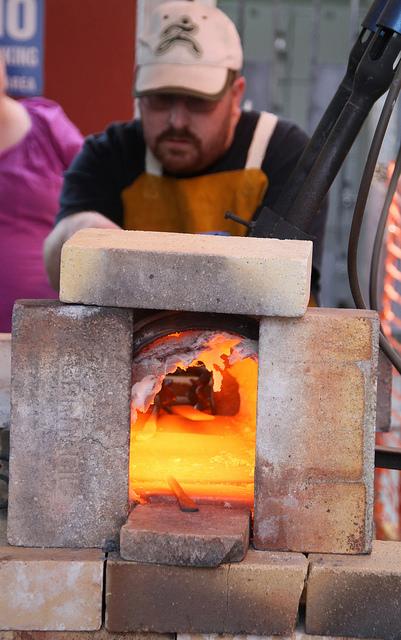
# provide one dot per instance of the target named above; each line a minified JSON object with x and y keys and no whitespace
{"x":324,"y":128}
{"x":332,"y":113}
{"x":374,"y":76}
{"x":381,"y":227}
{"x":360,"y":206}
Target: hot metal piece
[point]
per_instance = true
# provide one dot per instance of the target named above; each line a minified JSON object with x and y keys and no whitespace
{"x":186,"y":503}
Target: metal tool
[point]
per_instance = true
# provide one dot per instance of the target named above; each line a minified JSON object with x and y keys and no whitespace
{"x":185,"y":503}
{"x":387,"y":457}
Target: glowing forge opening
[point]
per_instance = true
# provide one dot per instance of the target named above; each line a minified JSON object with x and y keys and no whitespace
{"x":193,"y":417}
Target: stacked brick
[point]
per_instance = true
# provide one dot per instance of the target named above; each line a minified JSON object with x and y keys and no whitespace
{"x":147,"y":270}
{"x":66,"y":594}
{"x":314,"y":460}
{"x":315,"y":432}
{"x":71,"y":384}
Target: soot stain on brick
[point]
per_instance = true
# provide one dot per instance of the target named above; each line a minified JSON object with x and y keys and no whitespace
{"x":355,"y":541}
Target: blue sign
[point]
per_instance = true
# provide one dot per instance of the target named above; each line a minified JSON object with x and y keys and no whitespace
{"x":21,"y":45}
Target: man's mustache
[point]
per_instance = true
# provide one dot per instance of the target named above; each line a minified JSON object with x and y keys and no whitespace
{"x":178,"y":134}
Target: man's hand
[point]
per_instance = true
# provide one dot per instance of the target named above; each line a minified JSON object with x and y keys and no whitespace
{"x":64,"y":230}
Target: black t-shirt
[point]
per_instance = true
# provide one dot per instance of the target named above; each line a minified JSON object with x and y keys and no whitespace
{"x":111,"y":161}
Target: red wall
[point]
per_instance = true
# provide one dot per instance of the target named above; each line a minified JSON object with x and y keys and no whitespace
{"x":89,"y":59}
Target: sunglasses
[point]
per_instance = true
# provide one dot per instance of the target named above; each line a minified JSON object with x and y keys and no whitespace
{"x":166,"y":101}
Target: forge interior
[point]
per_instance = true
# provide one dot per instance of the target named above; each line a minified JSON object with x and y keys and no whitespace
{"x":193,"y":418}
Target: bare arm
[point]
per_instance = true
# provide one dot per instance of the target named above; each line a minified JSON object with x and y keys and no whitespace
{"x":64,"y":230}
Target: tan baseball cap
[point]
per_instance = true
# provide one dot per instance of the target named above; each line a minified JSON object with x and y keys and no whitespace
{"x":188,"y":48}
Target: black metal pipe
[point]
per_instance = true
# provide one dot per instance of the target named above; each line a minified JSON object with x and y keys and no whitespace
{"x":309,"y":182}
{"x":373,"y":77}
{"x":387,"y":457}
{"x":390,"y":17}
{"x":322,"y":132}
{"x":328,"y":164}
{"x":330,"y":116}
{"x":370,"y":21}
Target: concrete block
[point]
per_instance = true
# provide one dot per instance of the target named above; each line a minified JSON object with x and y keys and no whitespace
{"x":311,"y":516}
{"x":299,"y":634}
{"x":356,"y":596}
{"x":163,"y":534}
{"x":267,"y":589}
{"x":70,"y":424}
{"x":57,"y":589}
{"x":226,"y":636}
{"x":259,"y":595}
{"x":315,"y":432}
{"x":186,"y":272}
{"x":5,"y":379}
{"x":102,"y":634}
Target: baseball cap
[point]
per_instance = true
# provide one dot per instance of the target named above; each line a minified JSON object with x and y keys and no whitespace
{"x":188,"y":48}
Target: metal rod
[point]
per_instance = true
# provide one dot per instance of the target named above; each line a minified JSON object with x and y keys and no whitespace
{"x":387,"y":457}
{"x":324,"y":127}
{"x":369,"y":73}
{"x":186,"y":503}
{"x":373,"y":77}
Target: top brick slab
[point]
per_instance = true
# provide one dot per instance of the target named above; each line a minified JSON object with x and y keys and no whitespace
{"x":186,"y":272}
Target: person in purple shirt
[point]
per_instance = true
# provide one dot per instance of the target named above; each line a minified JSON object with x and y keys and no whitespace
{"x":37,"y":144}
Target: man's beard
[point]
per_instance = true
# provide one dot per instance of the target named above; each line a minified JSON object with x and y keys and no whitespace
{"x":178,"y":160}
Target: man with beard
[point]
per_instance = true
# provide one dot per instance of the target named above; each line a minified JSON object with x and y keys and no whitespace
{"x":194,"y":154}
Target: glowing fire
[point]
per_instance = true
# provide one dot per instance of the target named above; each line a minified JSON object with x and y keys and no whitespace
{"x":391,"y":312}
{"x":193,"y":417}
{"x":387,"y":506}
{"x":391,"y":295}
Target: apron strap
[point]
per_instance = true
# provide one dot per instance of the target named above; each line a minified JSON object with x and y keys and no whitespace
{"x":261,"y":138}
{"x":152,"y":165}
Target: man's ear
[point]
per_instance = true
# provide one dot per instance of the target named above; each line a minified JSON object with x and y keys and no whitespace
{"x":239,"y":87}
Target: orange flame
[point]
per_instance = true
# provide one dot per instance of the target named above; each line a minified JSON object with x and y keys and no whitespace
{"x":392,"y":271}
{"x":212,"y":456}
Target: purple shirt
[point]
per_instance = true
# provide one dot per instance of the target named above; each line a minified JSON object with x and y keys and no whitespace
{"x":31,"y":174}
